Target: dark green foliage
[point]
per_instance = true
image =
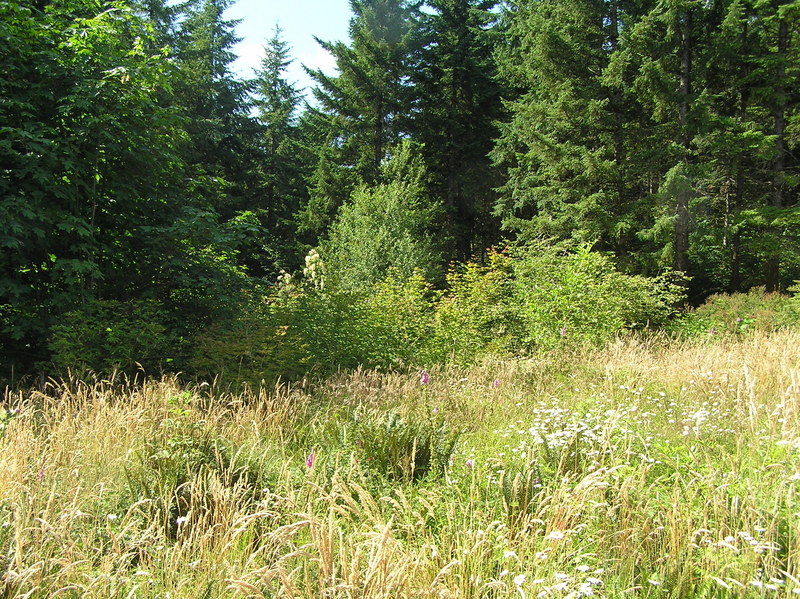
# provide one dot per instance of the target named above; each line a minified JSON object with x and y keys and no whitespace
{"x":281,"y":168}
{"x":147,"y":192}
{"x":457,"y":102}
{"x":654,"y":128}
{"x":112,"y":335}
{"x":564,"y":146}
{"x":86,"y":148}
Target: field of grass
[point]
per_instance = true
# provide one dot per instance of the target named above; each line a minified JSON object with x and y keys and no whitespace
{"x":655,"y":469}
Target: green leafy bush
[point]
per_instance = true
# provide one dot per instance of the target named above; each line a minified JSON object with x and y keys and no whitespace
{"x":476,"y":315}
{"x":104,"y":335}
{"x":536,"y":297}
{"x":521,"y":301}
{"x":739,"y":313}
{"x":580,"y":296}
{"x":388,"y":226}
{"x":303,"y":327}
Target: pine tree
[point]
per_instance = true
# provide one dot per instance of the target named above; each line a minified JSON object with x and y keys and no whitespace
{"x":363,"y":110}
{"x":222,"y":136}
{"x":457,"y":101}
{"x":281,"y":169}
{"x":563,"y":146}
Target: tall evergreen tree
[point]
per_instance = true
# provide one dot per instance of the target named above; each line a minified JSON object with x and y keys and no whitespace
{"x":363,"y":110}
{"x":564,"y":146}
{"x":221,"y":146}
{"x":457,"y":103}
{"x":668,"y":46}
{"x":779,"y":34}
{"x":281,"y":169}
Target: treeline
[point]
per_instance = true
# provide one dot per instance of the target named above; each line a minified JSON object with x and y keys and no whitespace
{"x":150,"y":197}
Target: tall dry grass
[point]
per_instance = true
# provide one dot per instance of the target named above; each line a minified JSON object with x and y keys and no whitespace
{"x":646,"y":469}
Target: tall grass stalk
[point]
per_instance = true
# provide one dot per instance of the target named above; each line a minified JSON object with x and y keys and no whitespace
{"x":650,"y":468}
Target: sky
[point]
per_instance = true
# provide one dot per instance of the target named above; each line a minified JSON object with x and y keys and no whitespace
{"x":300,"y":20}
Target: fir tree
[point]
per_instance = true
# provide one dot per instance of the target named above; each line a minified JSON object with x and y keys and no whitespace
{"x":457,"y":103}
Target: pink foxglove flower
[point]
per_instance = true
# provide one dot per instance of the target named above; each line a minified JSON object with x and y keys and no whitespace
{"x":310,"y":460}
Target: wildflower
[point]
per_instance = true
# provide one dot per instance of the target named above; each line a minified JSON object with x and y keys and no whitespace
{"x":507,"y":554}
{"x":556,"y":535}
{"x":470,"y":463}
{"x":310,"y":459}
{"x":424,"y":377}
{"x":519,"y":579}
{"x":181,"y":520}
{"x":564,"y":331}
{"x":435,"y":410}
{"x":496,"y":384}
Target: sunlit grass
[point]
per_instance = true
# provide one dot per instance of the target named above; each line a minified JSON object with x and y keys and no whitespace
{"x":646,"y":469}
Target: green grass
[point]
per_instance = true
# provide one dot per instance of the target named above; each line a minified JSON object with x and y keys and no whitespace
{"x":646,"y":469}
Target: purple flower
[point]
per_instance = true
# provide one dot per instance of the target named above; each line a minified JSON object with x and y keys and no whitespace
{"x":424,"y":377}
{"x":435,"y":410}
{"x":470,"y":464}
{"x":310,"y":459}
{"x":712,"y":331}
{"x":496,"y":383}
{"x":564,"y":331}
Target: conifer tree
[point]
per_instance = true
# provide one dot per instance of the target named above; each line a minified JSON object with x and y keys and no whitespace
{"x":563,"y":147}
{"x":457,"y":101}
{"x":222,"y":135}
{"x":363,"y":110}
{"x":281,"y":168}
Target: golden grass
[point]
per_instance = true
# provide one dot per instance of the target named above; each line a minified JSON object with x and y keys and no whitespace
{"x":646,"y":469}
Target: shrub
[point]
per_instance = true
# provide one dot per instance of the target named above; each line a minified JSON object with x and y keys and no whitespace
{"x":104,"y":335}
{"x":476,"y":315}
{"x":389,"y":226}
{"x":580,"y":296}
{"x":535,"y":297}
{"x":739,"y":313}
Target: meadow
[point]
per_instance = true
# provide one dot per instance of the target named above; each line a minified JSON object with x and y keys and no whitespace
{"x":651,"y":467}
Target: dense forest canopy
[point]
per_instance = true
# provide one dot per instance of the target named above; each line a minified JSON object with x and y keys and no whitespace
{"x":150,"y":197}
